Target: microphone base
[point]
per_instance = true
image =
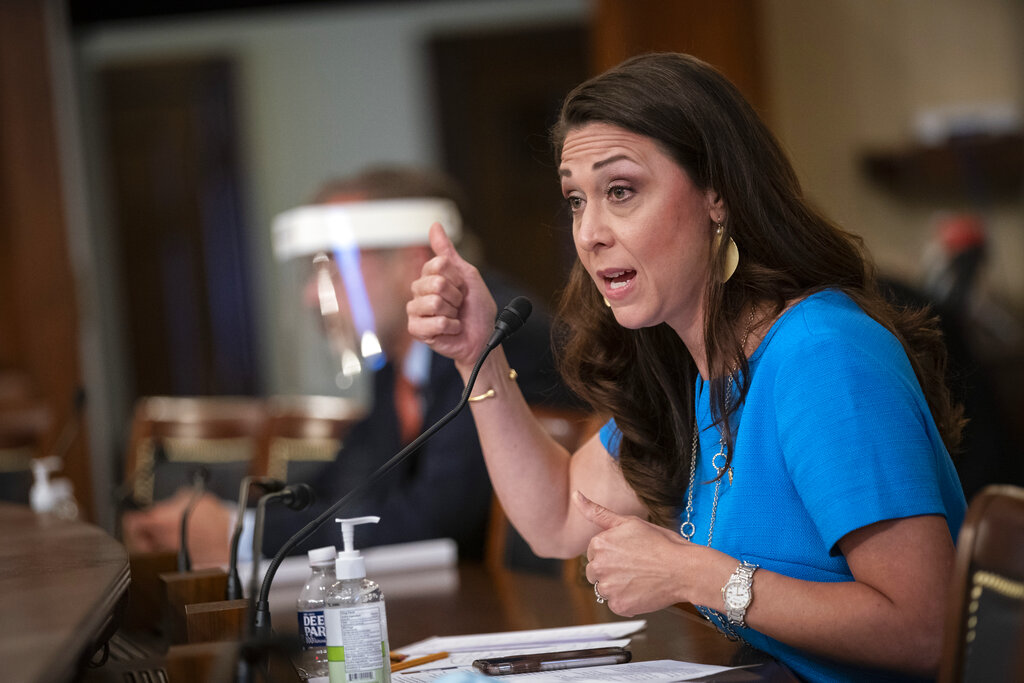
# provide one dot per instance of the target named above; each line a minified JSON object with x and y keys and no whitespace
{"x":261,"y":627}
{"x":217,"y":621}
{"x":181,"y":589}
{"x":234,"y":589}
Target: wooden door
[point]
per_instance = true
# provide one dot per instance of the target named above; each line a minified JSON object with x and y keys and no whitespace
{"x":171,"y":139}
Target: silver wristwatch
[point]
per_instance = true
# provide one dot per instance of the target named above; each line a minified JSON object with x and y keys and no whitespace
{"x":738,"y":593}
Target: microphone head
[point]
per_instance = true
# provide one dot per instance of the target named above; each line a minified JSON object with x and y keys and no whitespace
{"x":514,"y":315}
{"x":297,"y":496}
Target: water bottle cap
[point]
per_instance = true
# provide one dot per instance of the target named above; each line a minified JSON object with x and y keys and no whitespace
{"x":320,"y":556}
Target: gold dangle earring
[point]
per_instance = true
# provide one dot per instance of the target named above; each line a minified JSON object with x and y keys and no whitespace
{"x":732,"y":253}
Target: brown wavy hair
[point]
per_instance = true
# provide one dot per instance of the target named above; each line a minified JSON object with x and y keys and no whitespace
{"x":788,"y":250}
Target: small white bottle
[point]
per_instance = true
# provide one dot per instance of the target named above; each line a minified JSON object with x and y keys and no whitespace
{"x":51,"y":496}
{"x":312,"y":663}
{"x":357,"y":628}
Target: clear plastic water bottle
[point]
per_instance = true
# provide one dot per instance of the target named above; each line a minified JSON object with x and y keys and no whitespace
{"x":313,"y":660}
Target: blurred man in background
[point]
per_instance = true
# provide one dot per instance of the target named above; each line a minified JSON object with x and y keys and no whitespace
{"x":441,"y":490}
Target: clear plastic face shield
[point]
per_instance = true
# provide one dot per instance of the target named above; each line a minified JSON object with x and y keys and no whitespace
{"x":327,"y":328}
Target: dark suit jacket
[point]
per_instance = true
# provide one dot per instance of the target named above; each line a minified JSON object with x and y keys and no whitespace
{"x":442,"y":489}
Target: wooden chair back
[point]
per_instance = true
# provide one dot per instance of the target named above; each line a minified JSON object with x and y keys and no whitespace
{"x":302,"y":433}
{"x":984,"y":634}
{"x":172,"y":436}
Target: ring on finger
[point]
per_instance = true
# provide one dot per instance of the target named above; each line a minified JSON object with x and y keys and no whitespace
{"x":600,"y":598}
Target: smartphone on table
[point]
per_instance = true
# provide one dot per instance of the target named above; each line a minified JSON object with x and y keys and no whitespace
{"x":551,"y":661}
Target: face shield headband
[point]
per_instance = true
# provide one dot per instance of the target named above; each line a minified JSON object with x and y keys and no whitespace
{"x":378,"y":224}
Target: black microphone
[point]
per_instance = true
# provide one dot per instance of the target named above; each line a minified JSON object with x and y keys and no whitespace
{"x":199,"y":478}
{"x":510,"y":319}
{"x":295,"y":497}
{"x":298,"y":496}
{"x":268,"y":485}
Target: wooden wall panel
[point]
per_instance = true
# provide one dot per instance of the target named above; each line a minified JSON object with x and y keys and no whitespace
{"x":179,"y":227}
{"x":725,"y":34}
{"x":38,"y":318}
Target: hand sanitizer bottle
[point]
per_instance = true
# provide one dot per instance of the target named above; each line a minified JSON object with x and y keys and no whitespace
{"x":312,"y":664}
{"x":51,"y":496}
{"x":357,"y":628}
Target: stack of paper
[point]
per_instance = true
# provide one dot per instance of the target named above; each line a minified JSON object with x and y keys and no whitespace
{"x":463,"y":650}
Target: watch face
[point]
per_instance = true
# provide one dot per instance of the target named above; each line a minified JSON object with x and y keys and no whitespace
{"x":737,"y":595}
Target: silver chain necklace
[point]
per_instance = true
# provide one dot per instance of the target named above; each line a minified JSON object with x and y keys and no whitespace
{"x":687,"y":528}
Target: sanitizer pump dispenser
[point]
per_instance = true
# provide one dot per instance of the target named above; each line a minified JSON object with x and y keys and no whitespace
{"x":357,"y":628}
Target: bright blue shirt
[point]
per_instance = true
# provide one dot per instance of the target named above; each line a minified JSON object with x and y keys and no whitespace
{"x":834,"y":434}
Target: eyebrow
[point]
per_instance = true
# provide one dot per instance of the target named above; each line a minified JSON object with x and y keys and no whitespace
{"x":597,"y":164}
{"x":609,"y":160}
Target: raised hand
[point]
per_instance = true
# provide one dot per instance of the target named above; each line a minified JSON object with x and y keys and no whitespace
{"x":452,"y":310}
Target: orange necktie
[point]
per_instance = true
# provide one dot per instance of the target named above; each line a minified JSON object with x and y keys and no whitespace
{"x":407,"y":407}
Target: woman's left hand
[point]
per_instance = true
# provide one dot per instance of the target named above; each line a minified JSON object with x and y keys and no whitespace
{"x":639,"y":567}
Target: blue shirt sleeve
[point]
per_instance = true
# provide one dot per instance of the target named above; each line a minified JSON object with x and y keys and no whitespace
{"x":859,"y":440}
{"x":611,"y":438}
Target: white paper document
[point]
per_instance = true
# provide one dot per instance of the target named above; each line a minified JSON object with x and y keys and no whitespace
{"x":464,"y":649}
{"x":659,"y":671}
{"x":532,"y":638}
{"x":382,"y":560}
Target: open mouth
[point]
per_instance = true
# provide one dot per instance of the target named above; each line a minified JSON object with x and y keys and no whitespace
{"x":619,"y":279}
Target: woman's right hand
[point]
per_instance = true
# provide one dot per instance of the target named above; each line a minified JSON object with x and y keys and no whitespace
{"x":452,"y":311}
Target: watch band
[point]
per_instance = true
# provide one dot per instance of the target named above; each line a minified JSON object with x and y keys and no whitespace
{"x":738,"y":593}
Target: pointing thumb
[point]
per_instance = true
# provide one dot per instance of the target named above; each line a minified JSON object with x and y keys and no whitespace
{"x":440,"y":242}
{"x":594,"y":513}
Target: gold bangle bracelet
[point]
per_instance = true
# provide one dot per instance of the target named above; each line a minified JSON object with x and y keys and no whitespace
{"x":491,"y":393}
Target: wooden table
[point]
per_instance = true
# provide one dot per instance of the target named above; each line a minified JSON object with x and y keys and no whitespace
{"x":61,"y":584}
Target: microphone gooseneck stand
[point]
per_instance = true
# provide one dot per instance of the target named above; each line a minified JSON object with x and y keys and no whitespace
{"x":294,"y":497}
{"x":510,"y":319}
{"x":268,"y":485}
{"x":254,"y":650}
{"x":199,"y":478}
